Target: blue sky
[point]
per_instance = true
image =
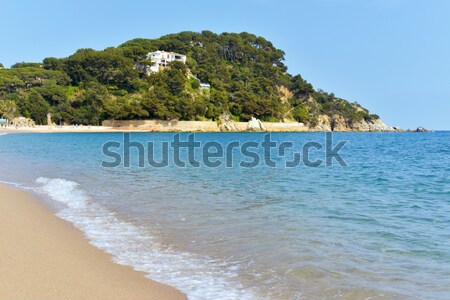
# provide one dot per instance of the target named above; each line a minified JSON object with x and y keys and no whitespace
{"x":391,"y":56}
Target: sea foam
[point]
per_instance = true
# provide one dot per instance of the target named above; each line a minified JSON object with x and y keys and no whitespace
{"x":199,"y":277}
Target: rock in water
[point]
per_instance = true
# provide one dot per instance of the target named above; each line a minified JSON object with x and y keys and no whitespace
{"x":421,"y":129}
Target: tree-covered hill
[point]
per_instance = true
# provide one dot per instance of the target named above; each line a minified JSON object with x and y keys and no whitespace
{"x":246,"y":73}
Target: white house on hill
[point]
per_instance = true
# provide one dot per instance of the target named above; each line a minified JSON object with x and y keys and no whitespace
{"x":161,"y":59}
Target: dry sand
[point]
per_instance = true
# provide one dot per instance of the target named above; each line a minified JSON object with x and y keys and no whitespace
{"x":64,"y":129}
{"x":44,"y":257}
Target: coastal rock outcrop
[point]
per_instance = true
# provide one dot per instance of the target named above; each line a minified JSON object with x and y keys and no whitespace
{"x":376,"y":125}
{"x":227,"y":124}
{"x":323,"y":124}
{"x":418,"y":129}
{"x":339,"y":123}
{"x":255,"y":125}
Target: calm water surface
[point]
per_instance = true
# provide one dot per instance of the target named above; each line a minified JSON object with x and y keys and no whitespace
{"x":376,"y":229}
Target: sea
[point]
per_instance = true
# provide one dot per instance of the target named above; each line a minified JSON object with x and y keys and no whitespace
{"x":313,"y":216}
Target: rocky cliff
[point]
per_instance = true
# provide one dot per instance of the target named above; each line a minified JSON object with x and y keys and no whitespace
{"x":339,"y":123}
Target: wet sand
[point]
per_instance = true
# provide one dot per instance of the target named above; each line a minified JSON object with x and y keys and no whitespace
{"x":44,"y":257}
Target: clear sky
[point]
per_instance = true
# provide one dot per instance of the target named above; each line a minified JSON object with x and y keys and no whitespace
{"x":391,"y":56}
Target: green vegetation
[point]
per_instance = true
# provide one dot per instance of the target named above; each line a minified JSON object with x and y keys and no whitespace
{"x":246,"y":73}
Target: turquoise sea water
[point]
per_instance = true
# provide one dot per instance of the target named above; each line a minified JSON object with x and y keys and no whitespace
{"x":378,"y":228}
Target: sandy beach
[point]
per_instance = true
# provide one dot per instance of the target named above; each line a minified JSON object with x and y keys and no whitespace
{"x":160,"y":126}
{"x":62,"y":129}
{"x":44,"y":257}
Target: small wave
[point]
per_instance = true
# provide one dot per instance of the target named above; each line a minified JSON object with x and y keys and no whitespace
{"x":4,"y":133}
{"x":10,"y":183}
{"x":199,"y":277}
{"x":15,"y":185}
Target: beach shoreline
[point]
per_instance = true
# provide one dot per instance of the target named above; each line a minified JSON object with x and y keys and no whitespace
{"x":45,"y":257}
{"x":187,"y":126}
{"x":56,"y":129}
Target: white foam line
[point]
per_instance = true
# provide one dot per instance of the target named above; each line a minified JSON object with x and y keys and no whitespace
{"x":15,"y":185}
{"x":200,"y":278}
